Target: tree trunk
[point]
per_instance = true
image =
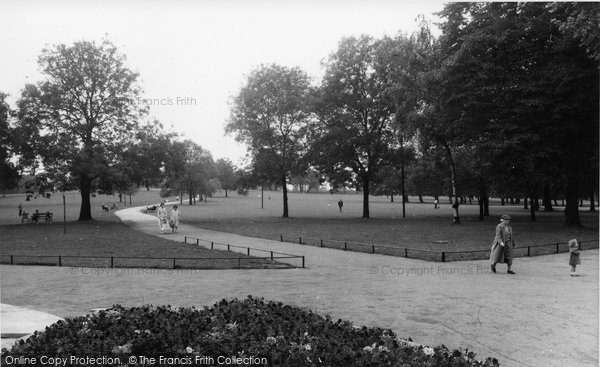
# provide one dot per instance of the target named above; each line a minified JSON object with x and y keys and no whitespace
{"x":365,"y":198}
{"x":532,"y":208}
{"x":285,"y":196}
{"x":547,"y":200}
{"x":525,"y":203}
{"x":421,"y":199}
{"x":592,"y":201}
{"x":392,"y":198}
{"x":85,"y":186}
{"x":502,"y":201}
{"x":456,"y":218}
{"x":225,"y":192}
{"x":481,"y":196}
{"x":486,"y":204}
{"x":572,"y":209}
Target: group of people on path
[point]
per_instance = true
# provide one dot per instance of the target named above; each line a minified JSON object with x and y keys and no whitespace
{"x":504,"y":243}
{"x":166,"y":221}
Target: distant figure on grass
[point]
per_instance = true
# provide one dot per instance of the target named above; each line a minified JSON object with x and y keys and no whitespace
{"x":502,"y":248}
{"x":20,"y":209}
{"x":161,"y":213}
{"x":435,"y":204}
{"x":574,"y":256}
{"x":340,"y":205}
{"x":174,"y":222}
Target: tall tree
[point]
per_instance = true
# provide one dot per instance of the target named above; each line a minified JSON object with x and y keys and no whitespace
{"x":528,"y":89}
{"x":189,"y":169}
{"x":355,"y":112}
{"x":269,"y":114}
{"x":9,"y":172}
{"x":225,"y":174}
{"x":84,"y":112}
{"x":147,"y":155}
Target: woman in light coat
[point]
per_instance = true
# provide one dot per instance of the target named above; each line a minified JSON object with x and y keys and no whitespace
{"x":174,"y":219}
{"x":161,"y":213}
{"x":502,"y":248}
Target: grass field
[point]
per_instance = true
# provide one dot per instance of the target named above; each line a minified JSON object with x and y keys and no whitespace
{"x":100,"y":239}
{"x":317,"y":216}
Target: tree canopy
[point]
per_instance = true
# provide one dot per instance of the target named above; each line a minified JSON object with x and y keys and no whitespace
{"x":84,"y":113}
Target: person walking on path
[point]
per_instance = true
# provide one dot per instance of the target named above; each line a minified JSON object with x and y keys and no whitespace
{"x":174,"y":219}
{"x":340,"y":205}
{"x":161,"y":213}
{"x":20,"y":209}
{"x":502,"y":248}
{"x":435,"y":204}
{"x":574,"y":256}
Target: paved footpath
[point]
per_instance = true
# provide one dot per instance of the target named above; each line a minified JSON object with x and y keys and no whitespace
{"x":540,"y":316}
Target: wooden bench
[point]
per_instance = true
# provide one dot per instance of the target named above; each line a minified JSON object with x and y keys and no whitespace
{"x":25,"y":217}
{"x":46,"y":216}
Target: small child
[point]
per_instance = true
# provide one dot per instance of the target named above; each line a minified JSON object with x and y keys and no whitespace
{"x":574,"y":257}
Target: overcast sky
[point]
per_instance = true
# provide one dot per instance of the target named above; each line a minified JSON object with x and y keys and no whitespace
{"x":196,"y":52}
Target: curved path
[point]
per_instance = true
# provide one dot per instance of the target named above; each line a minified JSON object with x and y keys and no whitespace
{"x":540,"y":316}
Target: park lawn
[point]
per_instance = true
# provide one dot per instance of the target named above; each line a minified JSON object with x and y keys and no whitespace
{"x":316,"y":216}
{"x":110,"y":239}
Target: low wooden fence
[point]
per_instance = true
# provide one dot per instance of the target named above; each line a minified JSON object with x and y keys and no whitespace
{"x":294,"y":260}
{"x":443,"y":256}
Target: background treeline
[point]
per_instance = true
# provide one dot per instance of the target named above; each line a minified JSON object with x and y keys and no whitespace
{"x":503,"y":103}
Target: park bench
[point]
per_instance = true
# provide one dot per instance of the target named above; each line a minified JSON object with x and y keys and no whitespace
{"x":46,"y":216}
{"x":24,"y":217}
{"x":150,"y":208}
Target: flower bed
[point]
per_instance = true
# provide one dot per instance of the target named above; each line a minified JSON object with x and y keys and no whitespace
{"x":232,"y":332}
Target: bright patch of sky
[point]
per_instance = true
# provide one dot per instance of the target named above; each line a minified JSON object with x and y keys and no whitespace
{"x":193,"y":56}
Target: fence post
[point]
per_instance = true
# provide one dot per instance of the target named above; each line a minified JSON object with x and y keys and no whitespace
{"x":211,"y":244}
{"x":302,"y":262}
{"x":197,"y":241}
{"x":248,"y":251}
{"x":280,"y":238}
{"x":557,"y":249}
{"x":321,"y":242}
{"x":112,"y":262}
{"x":11,"y":260}
{"x":173,"y":263}
{"x":271,"y":255}
{"x":406,"y":252}
{"x":300,"y":240}
{"x":59,"y":261}
{"x":228,"y":247}
{"x":373,"y":249}
{"x":528,"y":250}
{"x":345,"y":246}
{"x":443,"y":256}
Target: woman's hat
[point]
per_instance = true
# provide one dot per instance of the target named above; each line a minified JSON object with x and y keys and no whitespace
{"x":505,"y":217}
